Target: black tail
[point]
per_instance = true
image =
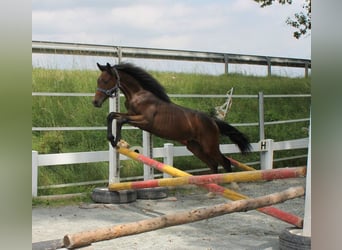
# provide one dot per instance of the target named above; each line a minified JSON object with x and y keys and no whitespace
{"x":235,"y":135}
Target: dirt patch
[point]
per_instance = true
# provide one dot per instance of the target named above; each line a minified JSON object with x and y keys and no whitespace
{"x":246,"y":230}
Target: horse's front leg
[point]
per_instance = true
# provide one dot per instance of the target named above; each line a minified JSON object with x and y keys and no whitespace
{"x":120,"y":120}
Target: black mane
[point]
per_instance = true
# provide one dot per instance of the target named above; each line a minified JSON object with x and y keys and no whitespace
{"x":147,"y":81}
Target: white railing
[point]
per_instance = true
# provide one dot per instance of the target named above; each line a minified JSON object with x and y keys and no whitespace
{"x":43,"y":47}
{"x":267,"y":147}
{"x":172,"y":96}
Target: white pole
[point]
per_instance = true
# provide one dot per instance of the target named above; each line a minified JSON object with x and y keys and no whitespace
{"x":168,"y":157}
{"x":147,"y":151}
{"x":267,"y":154}
{"x":263,"y":142}
{"x":114,"y":158}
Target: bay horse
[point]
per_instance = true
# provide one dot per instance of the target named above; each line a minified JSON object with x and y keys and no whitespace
{"x":150,"y":108}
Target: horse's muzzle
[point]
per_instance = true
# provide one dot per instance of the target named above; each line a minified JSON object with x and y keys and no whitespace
{"x":97,"y":103}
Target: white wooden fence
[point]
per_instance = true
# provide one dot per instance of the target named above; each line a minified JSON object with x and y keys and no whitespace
{"x":267,"y":147}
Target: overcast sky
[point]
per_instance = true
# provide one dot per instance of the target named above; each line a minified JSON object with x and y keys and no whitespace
{"x":235,"y":26}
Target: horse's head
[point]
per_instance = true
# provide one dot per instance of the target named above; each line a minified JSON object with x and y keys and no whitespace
{"x":107,"y":84}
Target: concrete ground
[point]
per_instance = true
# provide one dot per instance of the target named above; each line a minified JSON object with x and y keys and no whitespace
{"x":245,"y":230}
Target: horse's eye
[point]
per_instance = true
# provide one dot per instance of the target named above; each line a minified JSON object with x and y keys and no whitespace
{"x":104,"y":81}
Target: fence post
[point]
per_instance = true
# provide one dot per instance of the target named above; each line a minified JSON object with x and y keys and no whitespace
{"x":168,"y":157}
{"x":114,"y":157}
{"x":269,"y":72}
{"x":34,"y":173}
{"x":306,"y":70}
{"x":261,"y":128}
{"x":266,"y":154}
{"x":119,"y":52}
{"x":147,"y":151}
{"x":226,"y":61}
{"x":261,"y":116}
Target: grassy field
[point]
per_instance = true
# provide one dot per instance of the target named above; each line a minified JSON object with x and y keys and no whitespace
{"x":78,"y":111}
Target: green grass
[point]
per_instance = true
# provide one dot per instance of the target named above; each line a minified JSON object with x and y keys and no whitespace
{"x":78,"y":111}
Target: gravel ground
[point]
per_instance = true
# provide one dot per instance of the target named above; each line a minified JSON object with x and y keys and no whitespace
{"x":245,"y":230}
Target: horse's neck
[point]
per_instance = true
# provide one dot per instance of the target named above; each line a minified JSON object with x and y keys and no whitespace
{"x":129,"y":86}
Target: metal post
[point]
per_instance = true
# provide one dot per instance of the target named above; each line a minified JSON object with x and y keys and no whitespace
{"x":306,"y":70}
{"x":147,"y":151}
{"x":168,"y":157}
{"x":226,"y":60}
{"x":34,"y":173}
{"x":269,"y":73}
{"x":119,"y":54}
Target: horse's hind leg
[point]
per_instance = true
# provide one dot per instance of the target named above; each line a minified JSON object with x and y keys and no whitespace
{"x":197,"y":150}
{"x":211,"y":148}
{"x":225,"y":163}
{"x":218,"y":157}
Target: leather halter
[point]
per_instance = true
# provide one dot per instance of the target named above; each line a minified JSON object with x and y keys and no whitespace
{"x":113,"y":91}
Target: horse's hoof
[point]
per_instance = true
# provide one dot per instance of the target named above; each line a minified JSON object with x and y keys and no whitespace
{"x":114,"y":143}
{"x":110,"y":138}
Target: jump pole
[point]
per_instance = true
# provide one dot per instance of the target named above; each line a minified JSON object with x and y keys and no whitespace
{"x":250,"y":176}
{"x":240,"y":165}
{"x":212,"y":187}
{"x":87,"y":237}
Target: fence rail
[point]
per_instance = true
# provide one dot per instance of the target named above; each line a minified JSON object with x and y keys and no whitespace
{"x":160,"y":152}
{"x":44,"y":47}
{"x":134,"y":178}
{"x":171,"y":95}
{"x":175,"y":95}
{"x":130,"y":127}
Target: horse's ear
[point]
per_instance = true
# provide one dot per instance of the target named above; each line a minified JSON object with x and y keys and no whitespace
{"x":101,"y":67}
{"x":109,"y":69}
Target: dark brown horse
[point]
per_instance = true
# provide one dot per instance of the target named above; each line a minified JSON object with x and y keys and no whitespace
{"x":149,"y":108}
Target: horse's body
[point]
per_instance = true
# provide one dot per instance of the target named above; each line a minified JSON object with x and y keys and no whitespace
{"x":150,"y":109}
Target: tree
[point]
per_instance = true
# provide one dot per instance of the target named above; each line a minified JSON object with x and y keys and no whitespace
{"x":301,"y":21}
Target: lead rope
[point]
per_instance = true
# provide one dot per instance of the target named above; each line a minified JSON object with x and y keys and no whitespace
{"x":222,"y":111}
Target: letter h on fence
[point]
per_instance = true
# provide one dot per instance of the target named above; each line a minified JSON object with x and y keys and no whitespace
{"x":263,"y":145}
